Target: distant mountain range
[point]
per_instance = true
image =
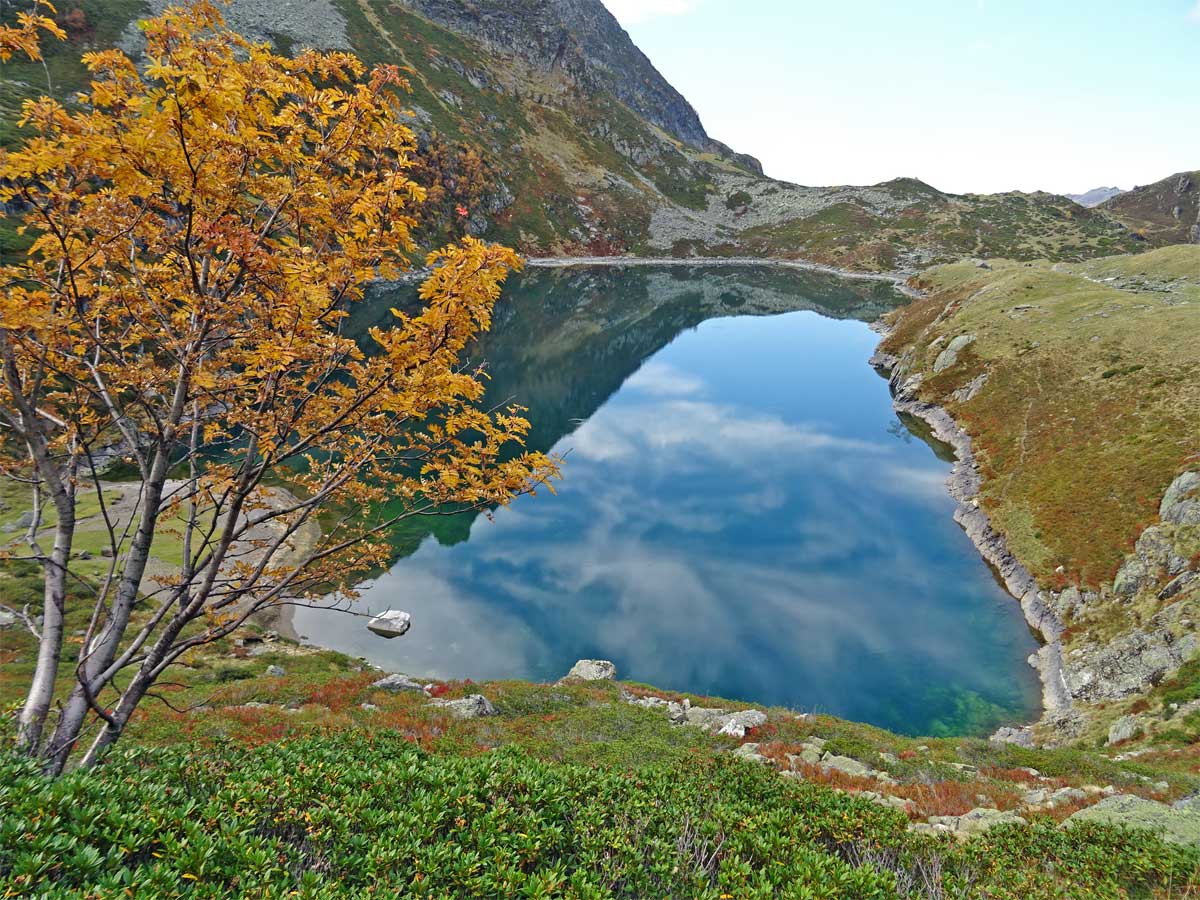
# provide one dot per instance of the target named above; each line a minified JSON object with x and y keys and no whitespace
{"x":1095,"y":196}
{"x":558,"y":135}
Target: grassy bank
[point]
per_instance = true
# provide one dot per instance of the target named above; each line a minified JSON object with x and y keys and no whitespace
{"x":1090,"y":404}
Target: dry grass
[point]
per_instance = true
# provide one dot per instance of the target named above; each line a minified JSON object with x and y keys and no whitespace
{"x":1092,"y":404}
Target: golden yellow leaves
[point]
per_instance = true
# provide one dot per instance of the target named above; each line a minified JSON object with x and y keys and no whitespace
{"x":206,"y":225}
{"x":24,"y":36}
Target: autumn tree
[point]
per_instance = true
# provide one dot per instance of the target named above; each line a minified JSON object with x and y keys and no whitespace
{"x":202,"y":225}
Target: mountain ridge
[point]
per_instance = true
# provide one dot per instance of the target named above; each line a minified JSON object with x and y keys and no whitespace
{"x":1095,"y":196}
{"x":545,"y":122}
{"x":1167,"y":211}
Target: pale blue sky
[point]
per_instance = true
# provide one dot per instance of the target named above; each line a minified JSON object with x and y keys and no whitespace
{"x":969,"y":95}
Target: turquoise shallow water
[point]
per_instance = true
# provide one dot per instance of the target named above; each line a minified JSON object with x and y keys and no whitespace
{"x":742,"y":513}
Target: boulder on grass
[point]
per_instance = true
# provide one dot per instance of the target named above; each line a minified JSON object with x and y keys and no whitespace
{"x":397,"y":683}
{"x":1177,"y":825}
{"x":472,"y":707}
{"x":592,"y":670}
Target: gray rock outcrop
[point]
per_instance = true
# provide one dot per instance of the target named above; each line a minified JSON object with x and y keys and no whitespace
{"x":1134,"y":661}
{"x":949,"y":356}
{"x":1178,"y":825}
{"x":1124,"y":729}
{"x":581,"y":40}
{"x":398,"y":683}
{"x":305,"y":23}
{"x":474,"y":706}
{"x":592,"y":670}
{"x":972,"y":823}
{"x":1181,"y":503}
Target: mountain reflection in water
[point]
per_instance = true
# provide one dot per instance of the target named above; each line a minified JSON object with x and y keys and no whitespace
{"x":741,"y":515}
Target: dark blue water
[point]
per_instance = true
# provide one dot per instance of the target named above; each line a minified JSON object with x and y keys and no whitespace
{"x":742,"y":514}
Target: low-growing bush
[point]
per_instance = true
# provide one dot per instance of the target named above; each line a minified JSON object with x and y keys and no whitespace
{"x":358,"y":815}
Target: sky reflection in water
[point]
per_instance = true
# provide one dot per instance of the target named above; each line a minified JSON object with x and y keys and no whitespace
{"x":742,"y":518}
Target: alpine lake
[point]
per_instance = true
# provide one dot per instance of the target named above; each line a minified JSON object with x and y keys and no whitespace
{"x":742,"y":514}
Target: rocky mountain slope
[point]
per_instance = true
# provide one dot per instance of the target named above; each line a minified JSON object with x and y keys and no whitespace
{"x":1075,"y":396}
{"x":1167,"y":211}
{"x":1095,"y":196}
{"x":554,"y":132}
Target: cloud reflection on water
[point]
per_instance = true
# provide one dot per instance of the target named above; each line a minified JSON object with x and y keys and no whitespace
{"x":707,"y":543}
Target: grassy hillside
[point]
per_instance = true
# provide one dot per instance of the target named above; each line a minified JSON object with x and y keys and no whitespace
{"x":1091,"y":404}
{"x":1167,"y":211}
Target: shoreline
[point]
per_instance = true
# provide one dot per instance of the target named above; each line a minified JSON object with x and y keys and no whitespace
{"x":963,"y":484}
{"x":899,"y":278}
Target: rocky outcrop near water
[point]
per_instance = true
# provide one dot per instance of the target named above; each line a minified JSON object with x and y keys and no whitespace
{"x":1115,"y":655}
{"x":1036,"y":605}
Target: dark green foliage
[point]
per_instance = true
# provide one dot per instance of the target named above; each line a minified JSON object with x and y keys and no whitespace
{"x":1185,"y":685}
{"x":737,"y":200}
{"x":332,"y":817}
{"x":348,"y":815}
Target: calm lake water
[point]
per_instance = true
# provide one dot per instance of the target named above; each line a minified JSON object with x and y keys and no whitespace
{"x":742,"y":513}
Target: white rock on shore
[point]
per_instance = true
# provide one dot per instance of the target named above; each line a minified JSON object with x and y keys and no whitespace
{"x":591,"y":670}
{"x":390,"y":624}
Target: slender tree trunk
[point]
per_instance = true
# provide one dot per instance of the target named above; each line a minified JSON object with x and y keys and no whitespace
{"x":102,"y":647}
{"x":108,"y":735}
{"x":32,"y":720}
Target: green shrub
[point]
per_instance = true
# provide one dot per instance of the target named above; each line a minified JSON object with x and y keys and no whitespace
{"x":352,"y":815}
{"x":737,"y":200}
